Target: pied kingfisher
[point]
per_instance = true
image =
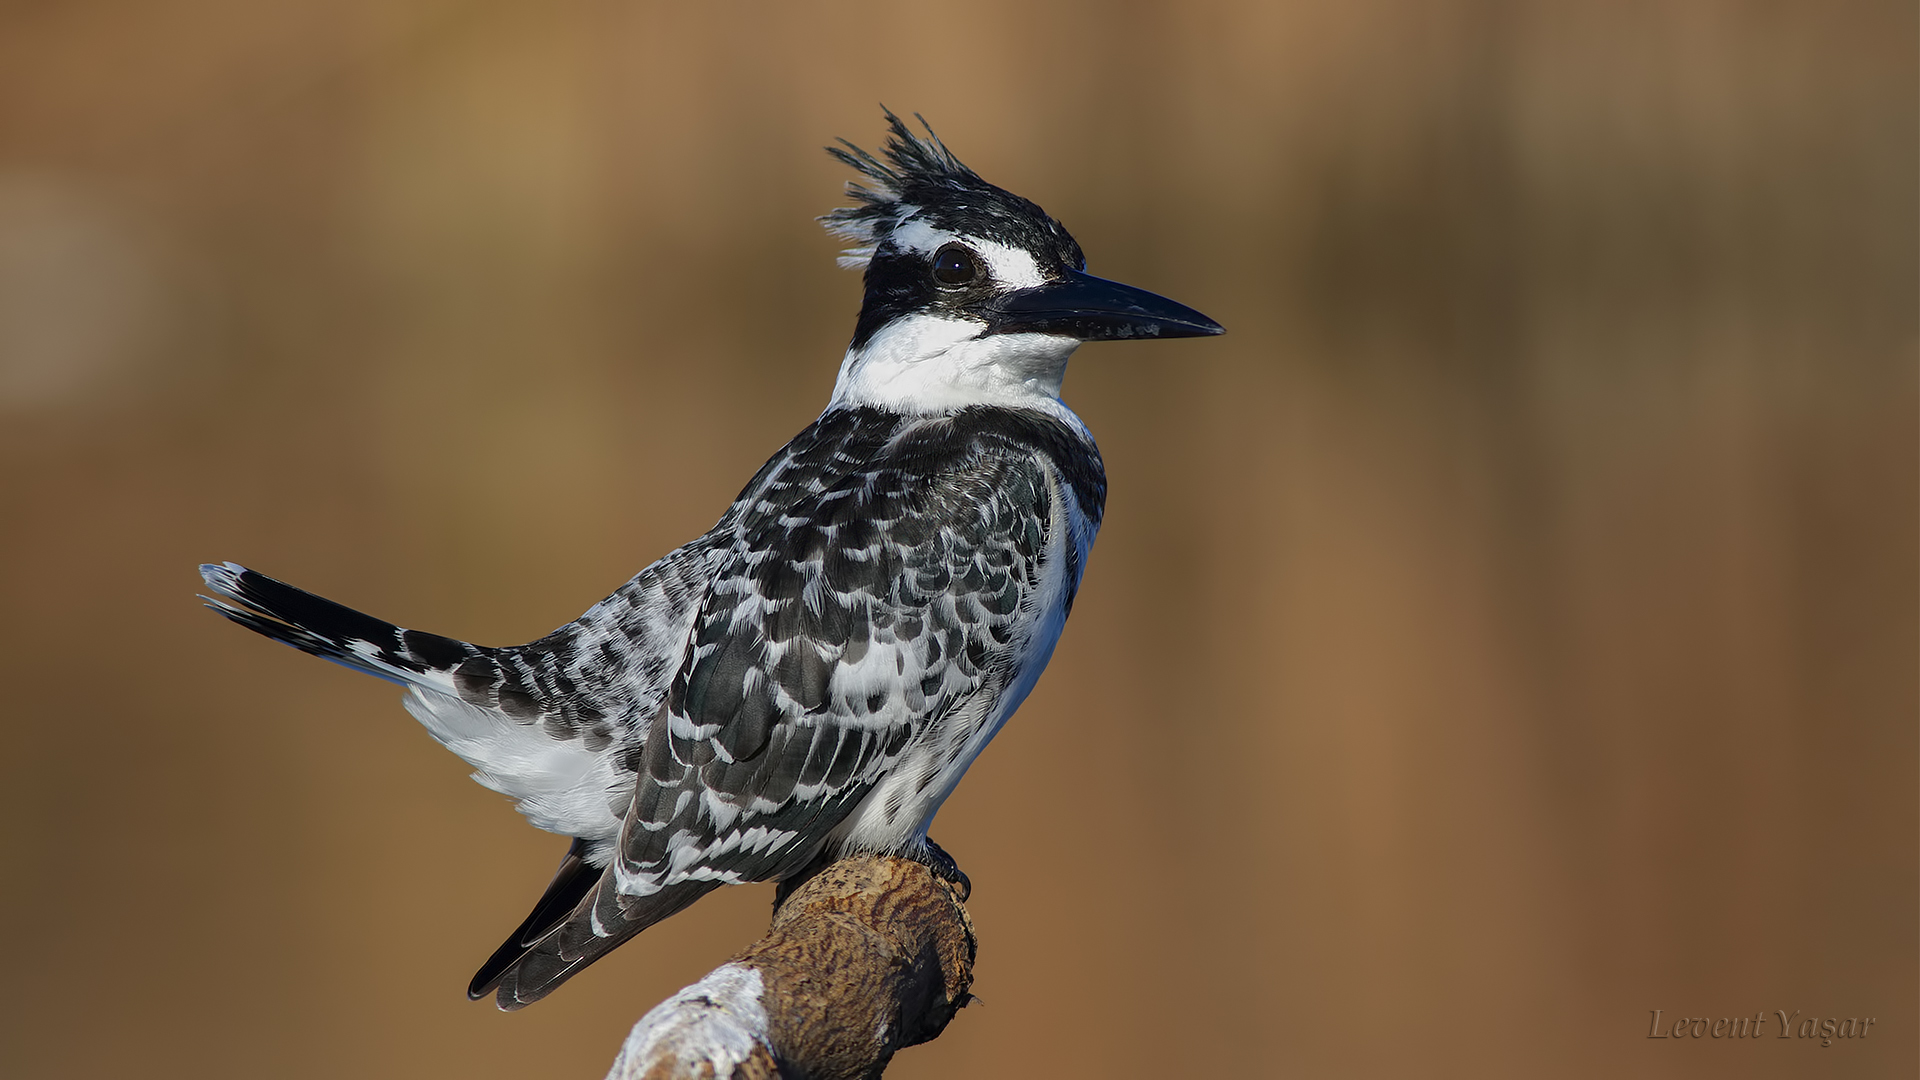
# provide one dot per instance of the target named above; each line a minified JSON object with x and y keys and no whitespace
{"x":814,"y":675}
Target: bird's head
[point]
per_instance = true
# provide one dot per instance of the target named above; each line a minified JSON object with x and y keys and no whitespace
{"x":973,"y":294}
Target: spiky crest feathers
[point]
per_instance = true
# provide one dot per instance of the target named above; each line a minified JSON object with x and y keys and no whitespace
{"x":916,"y":177}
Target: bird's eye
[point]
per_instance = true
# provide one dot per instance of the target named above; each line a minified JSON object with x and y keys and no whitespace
{"x":955,"y":265}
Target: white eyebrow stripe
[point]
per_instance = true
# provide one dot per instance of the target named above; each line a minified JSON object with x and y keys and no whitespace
{"x":918,"y":236}
{"x":1009,"y":266}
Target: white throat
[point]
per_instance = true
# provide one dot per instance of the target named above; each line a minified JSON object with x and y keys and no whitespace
{"x":932,"y":364}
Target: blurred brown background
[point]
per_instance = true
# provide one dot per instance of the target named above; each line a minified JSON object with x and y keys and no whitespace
{"x":1508,"y":629}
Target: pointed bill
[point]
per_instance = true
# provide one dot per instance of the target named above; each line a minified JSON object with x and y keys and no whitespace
{"x":1093,"y":309}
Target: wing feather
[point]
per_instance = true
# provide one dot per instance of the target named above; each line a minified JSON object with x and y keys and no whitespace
{"x":875,"y":580}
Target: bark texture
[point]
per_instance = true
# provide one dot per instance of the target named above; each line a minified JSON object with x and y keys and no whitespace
{"x":869,"y":955}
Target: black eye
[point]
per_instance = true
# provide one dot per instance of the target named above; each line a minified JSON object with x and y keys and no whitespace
{"x":955,"y":265}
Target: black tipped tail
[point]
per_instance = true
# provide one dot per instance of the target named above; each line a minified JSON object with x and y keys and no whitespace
{"x":328,"y":630}
{"x":571,"y":882}
{"x":599,"y":922}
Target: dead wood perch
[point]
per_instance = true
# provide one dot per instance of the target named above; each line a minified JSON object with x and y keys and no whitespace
{"x":868,"y":956}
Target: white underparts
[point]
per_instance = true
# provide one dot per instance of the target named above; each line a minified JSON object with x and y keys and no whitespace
{"x":560,"y":784}
{"x":928,"y":364}
{"x":895,"y":815}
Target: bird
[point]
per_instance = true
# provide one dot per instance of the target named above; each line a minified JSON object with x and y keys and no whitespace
{"x":812,"y":677}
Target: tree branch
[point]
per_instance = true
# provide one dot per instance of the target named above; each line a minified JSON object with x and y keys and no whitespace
{"x":869,"y":955}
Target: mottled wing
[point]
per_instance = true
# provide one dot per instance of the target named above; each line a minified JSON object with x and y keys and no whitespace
{"x":855,"y":612}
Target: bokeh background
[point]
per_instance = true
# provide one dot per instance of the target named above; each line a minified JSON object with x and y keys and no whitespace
{"x":1507,"y":630}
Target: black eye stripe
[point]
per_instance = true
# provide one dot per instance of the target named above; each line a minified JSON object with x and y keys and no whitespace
{"x":955,"y":264}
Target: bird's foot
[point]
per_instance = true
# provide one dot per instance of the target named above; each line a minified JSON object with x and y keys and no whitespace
{"x":934,"y":858}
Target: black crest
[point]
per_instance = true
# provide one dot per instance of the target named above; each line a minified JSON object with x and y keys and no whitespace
{"x":918,"y":178}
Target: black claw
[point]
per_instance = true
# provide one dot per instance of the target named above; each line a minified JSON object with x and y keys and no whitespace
{"x":935,"y":858}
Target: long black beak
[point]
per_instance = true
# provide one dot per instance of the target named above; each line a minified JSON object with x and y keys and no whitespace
{"x":1093,"y":309}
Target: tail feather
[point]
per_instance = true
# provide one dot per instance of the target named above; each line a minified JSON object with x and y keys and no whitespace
{"x":571,"y":882}
{"x":602,"y":920}
{"x":331,"y":631}
{"x":488,"y":707}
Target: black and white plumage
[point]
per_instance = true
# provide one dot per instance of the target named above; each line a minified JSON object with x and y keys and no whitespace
{"x":815,"y":674}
